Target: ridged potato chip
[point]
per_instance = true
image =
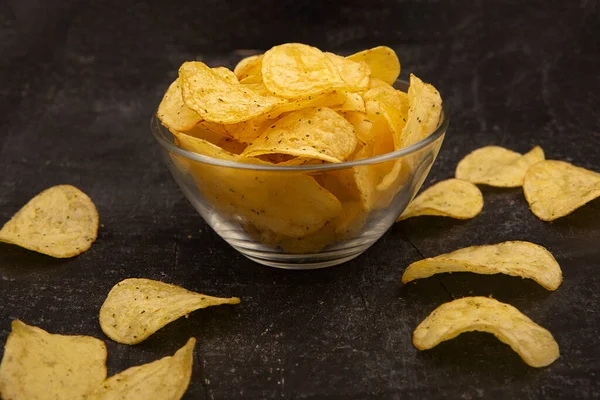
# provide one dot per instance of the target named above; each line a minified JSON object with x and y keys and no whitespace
{"x":534,"y":344}
{"x":356,"y":74}
{"x":135,"y":308}
{"x":248,"y":69}
{"x":555,"y":189}
{"x":216,"y":99}
{"x":61,"y":222}
{"x":382,"y":61}
{"x":515,"y":258}
{"x":173,"y":112}
{"x":40,"y":365}
{"x":297,"y":70}
{"x":450,"y":198}
{"x":497,"y":166}
{"x":164,"y":379}
{"x":318,"y":133}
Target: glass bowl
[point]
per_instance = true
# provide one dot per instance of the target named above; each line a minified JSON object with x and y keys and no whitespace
{"x":287,"y":216}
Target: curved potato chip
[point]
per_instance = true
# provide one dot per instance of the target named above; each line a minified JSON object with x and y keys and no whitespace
{"x":356,"y":74}
{"x":40,"y":365}
{"x":61,"y":222}
{"x":363,"y":126}
{"x":216,"y":99}
{"x":393,"y":105}
{"x":554,"y":189}
{"x":353,"y":103}
{"x":450,"y":198}
{"x":497,"y":166}
{"x":424,"y":113}
{"x":164,"y":379}
{"x":226,"y":74}
{"x":382,"y":61}
{"x":318,"y":133}
{"x":298,"y":70}
{"x":515,"y":258}
{"x":248,"y":69}
{"x":135,"y":308}
{"x":534,"y":344}
{"x":173,"y":112}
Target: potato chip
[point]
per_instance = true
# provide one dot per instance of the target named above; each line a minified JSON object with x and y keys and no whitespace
{"x":318,"y":133}
{"x":497,"y":166}
{"x":356,"y":74}
{"x":424,"y":113}
{"x":450,"y":198}
{"x":173,"y":112}
{"x":61,"y":222}
{"x":164,"y":379}
{"x":216,"y":99}
{"x":226,"y":74}
{"x":382,"y":61}
{"x":363,"y":126}
{"x":534,"y":344}
{"x":40,"y":365}
{"x":392,"y":104}
{"x":353,"y":102}
{"x":135,"y":308}
{"x":248,"y":69}
{"x":515,"y":258}
{"x":297,"y":70}
{"x":554,"y":189}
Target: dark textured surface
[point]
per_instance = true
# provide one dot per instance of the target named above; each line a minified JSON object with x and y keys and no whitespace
{"x":79,"y":82}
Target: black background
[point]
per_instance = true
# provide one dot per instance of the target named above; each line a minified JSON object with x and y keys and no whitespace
{"x":79,"y":83}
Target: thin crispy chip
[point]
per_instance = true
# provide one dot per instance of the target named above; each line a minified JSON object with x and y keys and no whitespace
{"x":216,"y":99}
{"x":424,"y":113}
{"x":534,"y":344}
{"x":164,"y":379}
{"x":450,"y":198}
{"x":382,"y":61}
{"x":497,"y":166}
{"x":226,"y":74}
{"x":248,"y":69}
{"x":135,"y":308}
{"x":515,"y":258}
{"x":318,"y":133}
{"x":353,"y":102}
{"x":356,"y":74}
{"x":61,"y":222}
{"x":173,"y":112}
{"x":363,"y":126}
{"x":297,"y":70}
{"x":392,"y":104}
{"x":40,"y":365}
{"x":554,"y":189}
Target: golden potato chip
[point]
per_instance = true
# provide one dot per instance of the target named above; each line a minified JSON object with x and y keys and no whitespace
{"x":450,"y":198}
{"x":318,"y":133}
{"x":135,"y":308}
{"x":216,"y":99}
{"x":554,"y":189}
{"x":356,"y":74}
{"x":534,"y":344}
{"x":515,"y":258}
{"x":248,"y":69}
{"x":382,"y":61}
{"x":173,"y":112}
{"x":497,"y":166}
{"x":296,"y":70}
{"x":164,"y":379}
{"x":353,"y":102}
{"x":40,"y":365}
{"x":363,"y":126}
{"x":226,"y":74}
{"x":424,"y":114}
{"x":392,"y":104}
{"x":61,"y":222}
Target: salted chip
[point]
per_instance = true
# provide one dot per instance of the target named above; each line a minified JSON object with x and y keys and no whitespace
{"x":40,"y":365}
{"x":135,"y":308}
{"x":363,"y":126}
{"x":318,"y":133}
{"x":497,"y":166}
{"x":424,"y":113}
{"x":554,"y":189}
{"x":173,"y":112}
{"x":391,"y":104}
{"x":450,"y":198}
{"x":356,"y":74}
{"x":248,"y":69}
{"x":61,"y":222}
{"x":298,"y":70}
{"x":514,"y":258}
{"x":226,"y":74}
{"x":217,"y":99}
{"x":164,"y":379}
{"x":534,"y":344}
{"x":382,"y":61}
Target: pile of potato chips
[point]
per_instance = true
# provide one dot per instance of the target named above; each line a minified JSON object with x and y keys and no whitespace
{"x":296,"y":105}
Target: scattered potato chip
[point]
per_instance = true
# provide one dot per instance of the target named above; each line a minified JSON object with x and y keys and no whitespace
{"x":382,"y":61}
{"x":497,"y":166}
{"x":164,"y":379}
{"x":515,"y":258}
{"x":173,"y":112}
{"x":554,"y":189}
{"x":296,"y":70}
{"x":248,"y":69}
{"x":40,"y":365}
{"x":450,"y":198}
{"x":216,"y":99}
{"x":61,"y":222}
{"x":135,"y":308}
{"x":534,"y":344}
{"x":356,"y":74}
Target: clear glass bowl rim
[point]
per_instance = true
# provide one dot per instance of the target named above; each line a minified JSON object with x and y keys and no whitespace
{"x":159,"y":132}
